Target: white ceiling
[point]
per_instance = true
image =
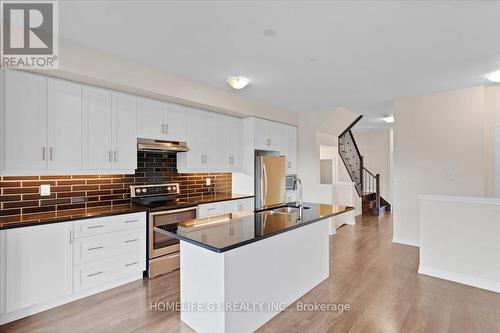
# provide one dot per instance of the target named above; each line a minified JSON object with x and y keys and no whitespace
{"x":367,"y":53}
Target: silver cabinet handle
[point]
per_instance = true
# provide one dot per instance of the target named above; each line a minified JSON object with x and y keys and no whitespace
{"x":213,"y":208}
{"x":95,"y":226}
{"x":131,"y":221}
{"x":132,"y":240}
{"x":71,"y":236}
{"x":131,"y":264}
{"x":43,"y":153}
{"x":50,"y":153}
{"x":95,"y":248}
{"x":94,"y":274}
{"x":110,"y":157}
{"x":115,"y":158}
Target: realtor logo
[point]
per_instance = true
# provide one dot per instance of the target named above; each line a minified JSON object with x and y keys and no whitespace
{"x":29,"y":34}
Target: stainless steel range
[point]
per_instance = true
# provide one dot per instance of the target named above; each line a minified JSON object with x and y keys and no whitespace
{"x":165,"y":210}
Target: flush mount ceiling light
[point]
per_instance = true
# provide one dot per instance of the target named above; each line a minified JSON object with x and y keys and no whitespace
{"x":269,"y":32}
{"x":237,"y":82}
{"x":494,"y":76}
{"x":388,"y":119}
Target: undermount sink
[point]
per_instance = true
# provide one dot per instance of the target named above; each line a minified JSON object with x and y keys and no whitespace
{"x":286,"y":210}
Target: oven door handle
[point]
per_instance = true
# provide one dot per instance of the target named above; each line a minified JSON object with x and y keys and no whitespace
{"x":173,"y":211}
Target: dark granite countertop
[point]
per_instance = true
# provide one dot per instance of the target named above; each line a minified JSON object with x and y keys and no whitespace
{"x":229,"y":231}
{"x":18,"y":221}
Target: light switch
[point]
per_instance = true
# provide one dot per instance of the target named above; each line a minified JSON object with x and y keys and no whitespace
{"x":208,"y":181}
{"x":44,"y":190}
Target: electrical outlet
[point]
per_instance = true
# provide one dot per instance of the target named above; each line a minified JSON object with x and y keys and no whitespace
{"x":208,"y":181}
{"x":44,"y":190}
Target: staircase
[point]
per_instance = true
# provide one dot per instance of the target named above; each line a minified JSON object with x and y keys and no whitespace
{"x":367,"y":184}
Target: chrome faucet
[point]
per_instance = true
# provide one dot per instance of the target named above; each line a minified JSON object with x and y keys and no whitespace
{"x":297,"y":186}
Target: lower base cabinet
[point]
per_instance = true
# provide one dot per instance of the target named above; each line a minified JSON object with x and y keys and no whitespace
{"x":48,"y":265}
{"x":225,"y":207}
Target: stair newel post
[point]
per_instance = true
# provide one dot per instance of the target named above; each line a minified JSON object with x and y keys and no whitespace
{"x":361,"y":178}
{"x":378,"y":190}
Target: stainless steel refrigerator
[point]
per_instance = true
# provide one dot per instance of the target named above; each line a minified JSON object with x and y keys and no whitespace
{"x":270,"y":187}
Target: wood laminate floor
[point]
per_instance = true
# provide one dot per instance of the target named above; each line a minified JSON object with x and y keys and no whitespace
{"x":376,"y":277}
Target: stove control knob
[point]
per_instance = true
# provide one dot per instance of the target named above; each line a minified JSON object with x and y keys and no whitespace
{"x":169,"y":188}
{"x":174,"y":188}
{"x":137,"y":190}
{"x":144,"y":190}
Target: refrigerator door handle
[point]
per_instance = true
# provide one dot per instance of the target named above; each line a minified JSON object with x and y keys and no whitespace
{"x":265,"y":184}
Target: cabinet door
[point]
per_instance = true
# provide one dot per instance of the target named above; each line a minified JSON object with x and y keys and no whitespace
{"x":152,"y":119}
{"x":176,"y":122}
{"x":235,"y":144}
{"x":290,"y":149}
{"x":274,"y":133}
{"x":124,"y":131}
{"x":261,"y":135}
{"x":196,"y":142}
{"x":224,"y":136}
{"x":64,"y":125}
{"x":25,"y":121}
{"x":39,"y":264}
{"x":97,"y":117}
{"x":212,"y":136}
{"x":245,"y":205}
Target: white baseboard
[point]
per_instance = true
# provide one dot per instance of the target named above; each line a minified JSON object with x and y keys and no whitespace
{"x":405,"y":242}
{"x":31,"y":310}
{"x":460,"y":278}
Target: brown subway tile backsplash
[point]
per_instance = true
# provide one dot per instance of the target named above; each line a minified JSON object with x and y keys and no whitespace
{"x":21,"y":194}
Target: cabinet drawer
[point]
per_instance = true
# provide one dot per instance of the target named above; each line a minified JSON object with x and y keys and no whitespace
{"x":104,"y":225}
{"x":104,"y":271}
{"x":211,"y":209}
{"x":108,"y":245}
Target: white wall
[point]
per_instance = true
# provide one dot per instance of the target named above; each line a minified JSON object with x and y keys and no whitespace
{"x":375,"y":146}
{"x":438,"y":149}
{"x":459,"y":240}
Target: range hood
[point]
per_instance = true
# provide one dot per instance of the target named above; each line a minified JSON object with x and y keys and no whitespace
{"x":160,"y":145}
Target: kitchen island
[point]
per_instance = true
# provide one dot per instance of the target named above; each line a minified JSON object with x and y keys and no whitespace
{"x":239,"y":270}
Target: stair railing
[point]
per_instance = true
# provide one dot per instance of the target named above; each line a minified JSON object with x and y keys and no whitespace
{"x":365,"y":181}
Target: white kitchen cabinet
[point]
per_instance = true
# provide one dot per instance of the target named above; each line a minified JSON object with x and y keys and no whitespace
{"x":25,"y":121}
{"x":109,"y":131}
{"x":124,"y":130}
{"x":214,"y":142}
{"x":97,"y":119}
{"x":267,"y":135}
{"x":38,"y":264}
{"x":43,"y":120}
{"x":64,"y":125}
{"x":163,"y":121}
{"x":48,"y":265}
{"x":245,"y":205}
{"x":229,"y":143}
{"x":225,"y":207}
{"x":176,"y":118}
{"x":152,"y":119}
{"x":212,"y":134}
{"x":289,"y":148}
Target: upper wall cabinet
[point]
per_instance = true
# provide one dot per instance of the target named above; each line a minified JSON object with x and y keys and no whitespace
{"x":214,"y":142}
{"x":267,"y":135}
{"x":109,"y":131}
{"x":162,"y":121}
{"x":42,"y":124}
{"x":289,"y":148}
